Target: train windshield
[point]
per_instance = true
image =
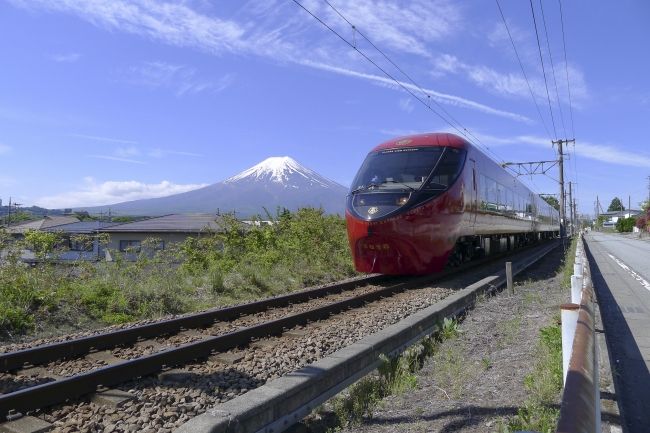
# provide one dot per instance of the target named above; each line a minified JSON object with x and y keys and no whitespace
{"x":409,"y":169}
{"x":393,"y":178}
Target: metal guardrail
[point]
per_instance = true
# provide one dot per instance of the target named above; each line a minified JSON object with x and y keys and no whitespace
{"x":580,"y":408}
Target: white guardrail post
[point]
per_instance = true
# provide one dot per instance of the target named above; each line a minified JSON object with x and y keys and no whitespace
{"x":586,"y":386}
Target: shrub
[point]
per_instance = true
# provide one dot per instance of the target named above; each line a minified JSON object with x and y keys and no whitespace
{"x":624,"y":225}
{"x":238,"y":262}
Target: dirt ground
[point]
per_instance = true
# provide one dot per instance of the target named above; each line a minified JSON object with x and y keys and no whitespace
{"x":477,"y":379}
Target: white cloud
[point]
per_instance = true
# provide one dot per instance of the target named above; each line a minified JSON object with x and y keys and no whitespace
{"x":276,"y":30}
{"x":182,"y":79}
{"x":107,"y":139}
{"x":161,"y":153}
{"x":94,"y":194}
{"x":4,"y":149}
{"x":117,"y":158}
{"x":65,"y":58}
{"x":443,"y":98}
{"x":408,"y":28}
{"x":127,"y":152}
{"x":514,"y":84}
{"x":406,"y":104}
{"x":613,"y":154}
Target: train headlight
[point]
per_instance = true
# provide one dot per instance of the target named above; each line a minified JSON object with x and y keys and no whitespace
{"x":402,"y":200}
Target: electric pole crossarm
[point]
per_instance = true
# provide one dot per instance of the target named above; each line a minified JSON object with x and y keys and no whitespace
{"x":531,"y":167}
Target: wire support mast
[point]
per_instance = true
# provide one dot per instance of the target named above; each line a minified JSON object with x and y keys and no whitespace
{"x":530,"y":168}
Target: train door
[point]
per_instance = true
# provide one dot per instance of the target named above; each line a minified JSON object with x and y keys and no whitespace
{"x":475,"y":186}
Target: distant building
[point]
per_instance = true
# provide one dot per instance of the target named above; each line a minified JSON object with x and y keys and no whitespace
{"x":90,"y":249}
{"x":167,"y":229}
{"x":18,"y":230}
{"x":613,"y":216}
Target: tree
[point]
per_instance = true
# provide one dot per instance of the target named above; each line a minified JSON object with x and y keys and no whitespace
{"x":552,"y":201}
{"x":624,"y":225}
{"x":615,"y":205}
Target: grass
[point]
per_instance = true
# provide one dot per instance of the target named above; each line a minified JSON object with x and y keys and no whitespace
{"x":394,"y":376}
{"x":569,"y":259}
{"x":234,"y":265}
{"x":539,"y":412}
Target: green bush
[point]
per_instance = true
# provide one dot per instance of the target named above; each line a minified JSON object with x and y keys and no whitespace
{"x":625,"y":225}
{"x":236,"y":263}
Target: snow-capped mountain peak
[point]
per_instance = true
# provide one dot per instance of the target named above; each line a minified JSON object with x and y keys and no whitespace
{"x":280,"y":169}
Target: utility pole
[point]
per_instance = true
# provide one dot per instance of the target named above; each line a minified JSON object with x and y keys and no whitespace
{"x":570,"y":209}
{"x":561,"y":166}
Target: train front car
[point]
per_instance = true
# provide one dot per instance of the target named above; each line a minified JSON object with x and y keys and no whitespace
{"x":405,"y":206}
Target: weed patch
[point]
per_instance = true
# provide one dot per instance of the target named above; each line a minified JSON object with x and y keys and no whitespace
{"x":394,"y":376}
{"x":234,"y":264}
{"x":544,"y":384}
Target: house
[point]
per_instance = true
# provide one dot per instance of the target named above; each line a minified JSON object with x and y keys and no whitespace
{"x":613,"y":216}
{"x":81,"y":249}
{"x":18,"y":230}
{"x":166,"y":229}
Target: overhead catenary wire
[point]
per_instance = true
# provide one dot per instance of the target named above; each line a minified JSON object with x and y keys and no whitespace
{"x":523,"y":71}
{"x":380,"y":51}
{"x":550,"y":57}
{"x":566,"y":68}
{"x":398,"y":82}
{"x":568,"y":84}
{"x":541,"y":59}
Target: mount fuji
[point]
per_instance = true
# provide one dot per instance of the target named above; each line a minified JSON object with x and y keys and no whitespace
{"x":274,"y":182}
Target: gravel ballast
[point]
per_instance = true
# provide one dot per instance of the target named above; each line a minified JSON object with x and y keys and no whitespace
{"x":476,"y":380}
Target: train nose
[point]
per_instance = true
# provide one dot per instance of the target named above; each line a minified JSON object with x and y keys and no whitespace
{"x":382,"y":255}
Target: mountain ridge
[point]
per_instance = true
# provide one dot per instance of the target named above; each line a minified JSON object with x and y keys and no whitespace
{"x":276,"y":182}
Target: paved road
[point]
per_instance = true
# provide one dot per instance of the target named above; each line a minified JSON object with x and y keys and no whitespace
{"x":620,"y":269}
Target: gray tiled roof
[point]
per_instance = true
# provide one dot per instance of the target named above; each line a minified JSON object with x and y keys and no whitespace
{"x":44,"y":223}
{"x":180,"y":223}
{"x":81,"y":227}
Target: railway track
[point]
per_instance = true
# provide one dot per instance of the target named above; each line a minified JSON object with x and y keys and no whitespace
{"x":236,"y":327}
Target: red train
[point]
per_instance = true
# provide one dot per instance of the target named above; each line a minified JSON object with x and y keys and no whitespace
{"x":422,"y":202}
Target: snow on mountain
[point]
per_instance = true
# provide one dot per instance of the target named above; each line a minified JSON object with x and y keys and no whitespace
{"x":280,"y":169}
{"x":276,"y":182}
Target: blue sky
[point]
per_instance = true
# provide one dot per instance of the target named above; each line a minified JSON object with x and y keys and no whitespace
{"x":110,"y":100}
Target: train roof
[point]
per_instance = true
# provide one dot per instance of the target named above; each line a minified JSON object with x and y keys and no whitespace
{"x":421,"y":140}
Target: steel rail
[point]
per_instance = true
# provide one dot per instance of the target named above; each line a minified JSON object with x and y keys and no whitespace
{"x":81,"y":346}
{"x":69,"y":388}
{"x":59,"y":391}
{"x":68,"y":349}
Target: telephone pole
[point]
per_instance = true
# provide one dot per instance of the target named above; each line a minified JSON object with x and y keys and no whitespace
{"x":570,"y":209}
{"x":561,"y":166}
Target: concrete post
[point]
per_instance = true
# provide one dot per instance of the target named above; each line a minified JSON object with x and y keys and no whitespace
{"x":511,"y":287}
{"x":569,"y":317}
{"x":576,"y":289}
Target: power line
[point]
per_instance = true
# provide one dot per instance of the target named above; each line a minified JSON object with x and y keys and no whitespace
{"x":399,"y":83}
{"x":550,"y":56}
{"x":380,"y":51}
{"x":541,"y":59}
{"x":523,"y":71}
{"x":566,"y":68}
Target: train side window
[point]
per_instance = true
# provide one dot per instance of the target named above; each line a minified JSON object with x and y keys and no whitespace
{"x":492,"y":194}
